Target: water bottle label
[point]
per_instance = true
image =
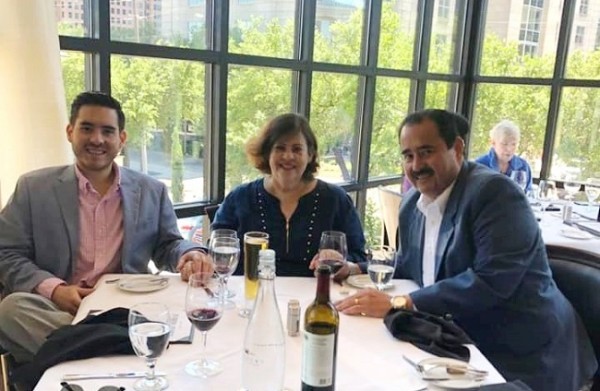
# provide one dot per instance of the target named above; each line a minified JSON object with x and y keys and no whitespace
{"x":317,"y":359}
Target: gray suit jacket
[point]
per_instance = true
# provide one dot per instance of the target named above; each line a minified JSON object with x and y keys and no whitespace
{"x":39,"y":227}
{"x":492,"y":276}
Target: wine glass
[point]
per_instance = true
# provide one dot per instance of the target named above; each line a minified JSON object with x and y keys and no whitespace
{"x":520,"y":178}
{"x":381,"y":265}
{"x":203,"y":310}
{"x":546,"y":193}
{"x":571,"y":188}
{"x":225,"y":254}
{"x":333,"y":250}
{"x":149,"y":332}
{"x":227,"y":233}
{"x":592,"y":191}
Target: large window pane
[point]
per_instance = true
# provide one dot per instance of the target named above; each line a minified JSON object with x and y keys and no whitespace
{"x":72,"y":17}
{"x":398,"y":21}
{"x":333,"y":118}
{"x":73,"y":71}
{"x":338,"y":31}
{"x":578,"y":139}
{"x":391,"y":106}
{"x":520,"y":38}
{"x":527,"y":106}
{"x":583,"y":61}
{"x":441,"y":95}
{"x":172,"y":23}
{"x":255,"y":96}
{"x":262,"y":30}
{"x":445,"y":34}
{"x":163,"y":101}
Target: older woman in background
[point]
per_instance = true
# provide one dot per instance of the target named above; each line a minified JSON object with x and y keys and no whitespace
{"x":505,"y":137}
{"x":289,"y":203}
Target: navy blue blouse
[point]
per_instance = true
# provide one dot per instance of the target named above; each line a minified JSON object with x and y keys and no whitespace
{"x":249,"y":207}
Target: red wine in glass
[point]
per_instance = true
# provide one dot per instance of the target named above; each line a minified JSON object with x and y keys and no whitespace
{"x":334,"y":264}
{"x":204,"y":319}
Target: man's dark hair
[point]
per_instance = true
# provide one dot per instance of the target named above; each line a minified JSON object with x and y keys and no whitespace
{"x":96,"y":98}
{"x":450,"y":125}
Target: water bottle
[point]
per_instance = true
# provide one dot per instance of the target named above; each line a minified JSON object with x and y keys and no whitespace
{"x":263,"y":356}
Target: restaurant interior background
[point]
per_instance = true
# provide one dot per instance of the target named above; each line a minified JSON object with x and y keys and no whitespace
{"x":198,"y":78}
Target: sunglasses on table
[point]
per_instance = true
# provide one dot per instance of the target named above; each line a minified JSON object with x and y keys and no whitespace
{"x":75,"y":387}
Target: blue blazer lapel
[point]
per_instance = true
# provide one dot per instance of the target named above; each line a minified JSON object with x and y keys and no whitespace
{"x":130,"y":197}
{"x":448,"y":221}
{"x":67,"y":195}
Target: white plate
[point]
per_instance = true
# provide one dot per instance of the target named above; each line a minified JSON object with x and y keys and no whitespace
{"x":455,"y":382}
{"x":364,"y":281}
{"x":575,"y":234}
{"x":143,"y":284}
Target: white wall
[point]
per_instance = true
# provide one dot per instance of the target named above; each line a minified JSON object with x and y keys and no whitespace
{"x":33,"y":114}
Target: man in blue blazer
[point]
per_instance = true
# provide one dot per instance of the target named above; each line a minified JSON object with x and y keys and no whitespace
{"x":64,"y":227}
{"x":470,"y":240}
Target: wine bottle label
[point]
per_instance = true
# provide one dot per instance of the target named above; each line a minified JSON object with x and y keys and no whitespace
{"x":317,"y":359}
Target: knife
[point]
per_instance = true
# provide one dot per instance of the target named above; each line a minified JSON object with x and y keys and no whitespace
{"x":108,"y":375}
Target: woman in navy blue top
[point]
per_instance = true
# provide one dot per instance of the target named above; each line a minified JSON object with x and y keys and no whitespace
{"x":289,"y":203}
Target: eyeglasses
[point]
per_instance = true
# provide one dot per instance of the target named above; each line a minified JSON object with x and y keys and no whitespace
{"x":75,"y":387}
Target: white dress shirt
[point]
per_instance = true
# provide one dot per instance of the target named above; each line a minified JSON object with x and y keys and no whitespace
{"x":433,"y":210}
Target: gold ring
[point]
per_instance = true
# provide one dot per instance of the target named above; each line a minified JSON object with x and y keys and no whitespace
{"x":355,"y":301}
{"x":363,"y":314}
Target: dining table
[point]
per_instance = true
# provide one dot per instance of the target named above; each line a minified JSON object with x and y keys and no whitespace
{"x":368,"y":356}
{"x":556,"y":231}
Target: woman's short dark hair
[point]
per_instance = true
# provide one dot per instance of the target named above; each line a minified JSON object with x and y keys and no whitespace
{"x":259,"y":148}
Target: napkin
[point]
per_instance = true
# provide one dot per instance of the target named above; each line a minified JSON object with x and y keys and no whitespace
{"x":431,"y":333}
{"x":94,"y":336}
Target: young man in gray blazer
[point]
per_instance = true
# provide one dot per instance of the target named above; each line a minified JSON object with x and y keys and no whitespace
{"x":64,"y":227}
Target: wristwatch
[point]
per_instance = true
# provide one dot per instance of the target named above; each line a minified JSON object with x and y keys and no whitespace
{"x":398,"y":302}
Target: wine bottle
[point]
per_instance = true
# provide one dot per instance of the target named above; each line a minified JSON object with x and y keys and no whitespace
{"x":319,"y":344}
{"x":263,"y":355}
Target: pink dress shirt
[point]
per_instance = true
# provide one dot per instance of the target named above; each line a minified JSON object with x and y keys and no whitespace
{"x":100,"y":235}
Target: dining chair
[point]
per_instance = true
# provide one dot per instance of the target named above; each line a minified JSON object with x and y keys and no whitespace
{"x":577,"y":274}
{"x":390,"y":208}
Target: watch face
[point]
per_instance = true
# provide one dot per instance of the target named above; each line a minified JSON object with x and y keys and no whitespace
{"x":399,"y":302}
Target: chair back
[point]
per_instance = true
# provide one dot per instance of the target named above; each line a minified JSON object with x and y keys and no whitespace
{"x":390,"y":209}
{"x":577,"y":274}
{"x":211,"y":211}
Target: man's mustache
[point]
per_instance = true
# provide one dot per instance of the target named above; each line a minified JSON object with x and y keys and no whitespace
{"x":423,"y":171}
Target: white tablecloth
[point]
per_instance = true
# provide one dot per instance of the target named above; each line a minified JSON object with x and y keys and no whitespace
{"x":369,"y":358}
{"x":552,"y":232}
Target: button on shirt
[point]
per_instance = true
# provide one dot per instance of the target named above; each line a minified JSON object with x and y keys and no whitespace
{"x":100,"y":235}
{"x":433,"y":210}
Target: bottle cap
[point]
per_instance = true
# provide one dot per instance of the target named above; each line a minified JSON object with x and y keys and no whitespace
{"x":266,"y":257}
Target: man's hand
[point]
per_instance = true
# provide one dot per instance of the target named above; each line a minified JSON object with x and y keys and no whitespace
{"x":194,"y":262}
{"x":68,"y":297}
{"x":366,"y":302}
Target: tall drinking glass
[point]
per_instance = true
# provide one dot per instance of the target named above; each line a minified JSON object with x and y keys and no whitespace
{"x":520,"y":178}
{"x":203,"y":310}
{"x":149,"y":335}
{"x":225,"y":254}
{"x":381,"y":265}
{"x":546,"y":193}
{"x":592,"y":191}
{"x":333,"y":250}
{"x":224,"y":233}
{"x":254,"y":241}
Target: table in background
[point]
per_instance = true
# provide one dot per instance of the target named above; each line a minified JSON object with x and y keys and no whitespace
{"x":369,"y":357}
{"x":552,"y":225}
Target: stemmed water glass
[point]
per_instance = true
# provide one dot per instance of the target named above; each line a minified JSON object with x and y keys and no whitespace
{"x":149,"y":332}
{"x":225,"y":254}
{"x":571,"y":188}
{"x":203,"y":310}
{"x":592,"y":191}
{"x":381,"y":265}
{"x":224,"y":233}
{"x":520,"y":178}
{"x":333,"y":250}
{"x":546,"y":193}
